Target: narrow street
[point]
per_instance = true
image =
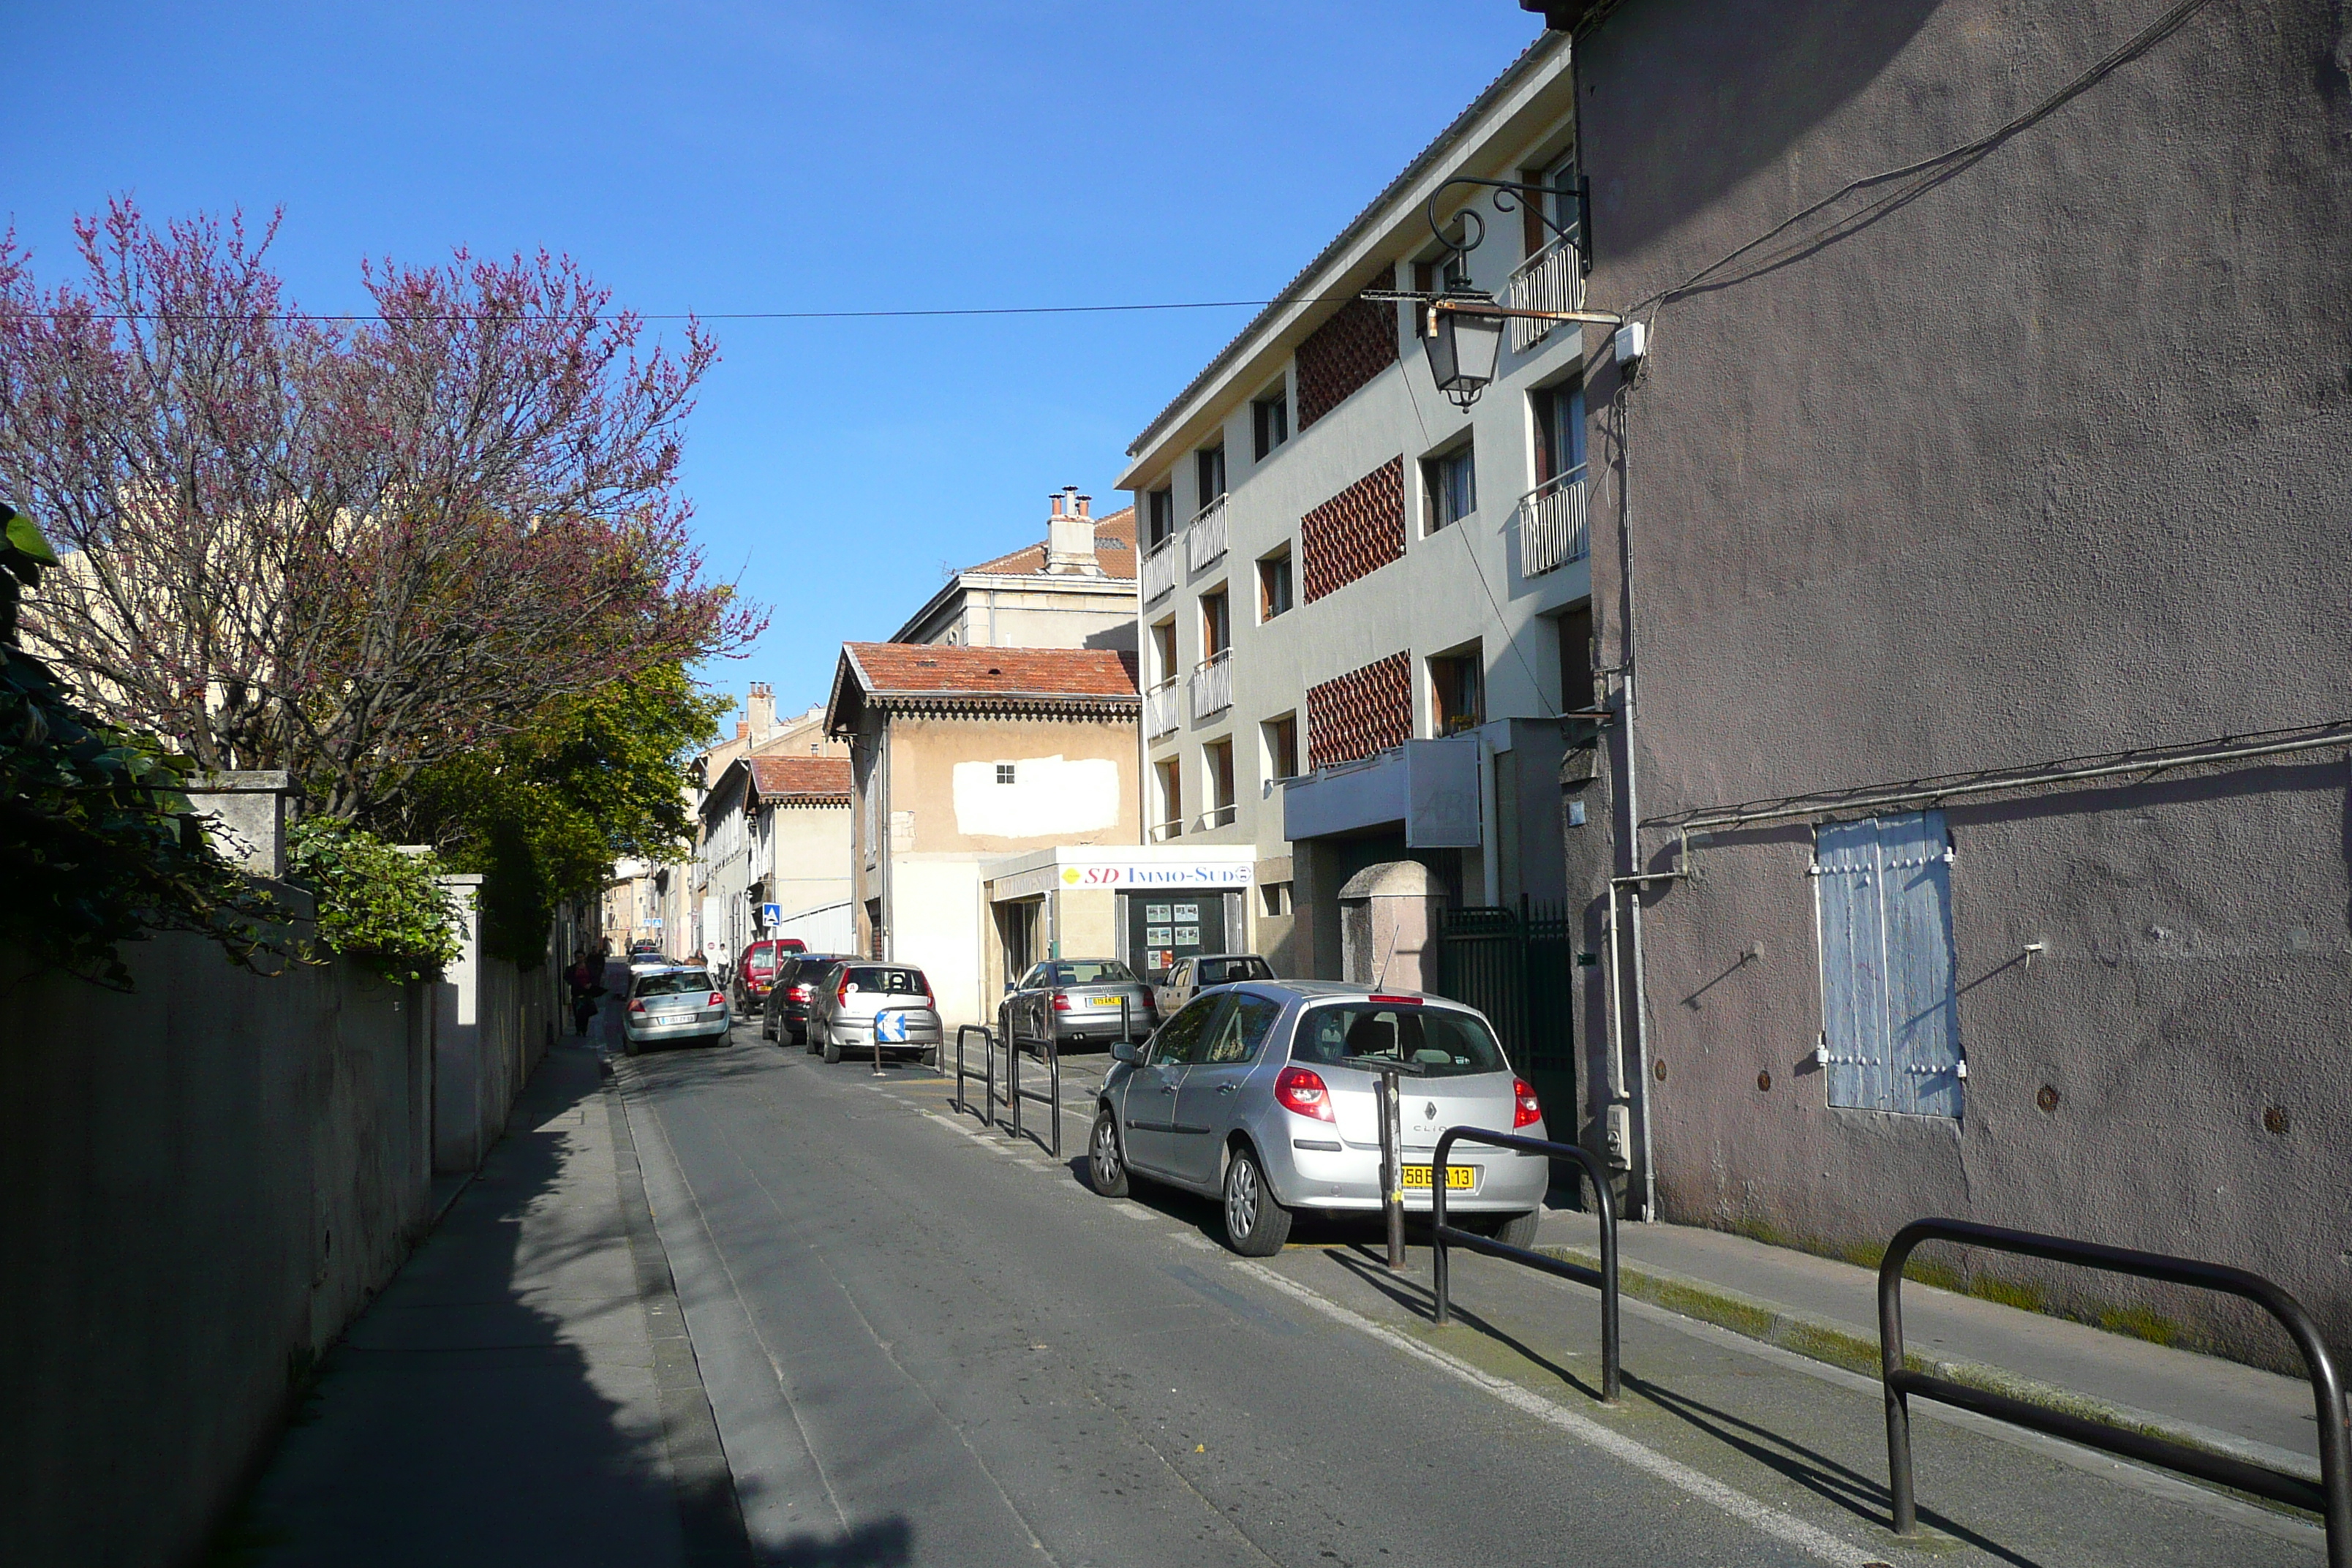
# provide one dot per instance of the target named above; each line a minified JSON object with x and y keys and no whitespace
{"x":925,"y":1342}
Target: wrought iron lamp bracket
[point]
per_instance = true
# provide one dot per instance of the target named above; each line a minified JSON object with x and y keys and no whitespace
{"x":1514,"y":196}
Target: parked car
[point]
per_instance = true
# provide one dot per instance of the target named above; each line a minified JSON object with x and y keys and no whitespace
{"x":672,"y":1003}
{"x":755,"y":972}
{"x":1187,"y":977}
{"x":643,"y":958}
{"x":1075,"y":1002}
{"x":784,"y":1012}
{"x":862,"y":1002}
{"x":1253,"y":1093}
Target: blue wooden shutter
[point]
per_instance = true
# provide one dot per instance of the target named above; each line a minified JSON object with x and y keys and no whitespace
{"x":1890,"y":1021}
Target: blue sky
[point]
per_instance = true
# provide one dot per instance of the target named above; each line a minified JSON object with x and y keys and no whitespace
{"x":830,"y":154}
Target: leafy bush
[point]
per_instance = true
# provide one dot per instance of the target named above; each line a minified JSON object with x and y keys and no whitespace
{"x":376,"y":904}
{"x":97,"y":844}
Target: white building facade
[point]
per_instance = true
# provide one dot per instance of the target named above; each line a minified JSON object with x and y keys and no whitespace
{"x":1365,"y":621}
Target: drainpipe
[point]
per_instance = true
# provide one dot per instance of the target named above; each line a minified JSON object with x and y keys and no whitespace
{"x":1490,"y":854}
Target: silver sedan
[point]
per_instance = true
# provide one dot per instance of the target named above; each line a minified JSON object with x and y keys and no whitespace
{"x":1264,"y":1095}
{"x":666,"y":1006}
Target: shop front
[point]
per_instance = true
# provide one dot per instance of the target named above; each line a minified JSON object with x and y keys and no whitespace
{"x":1145,"y":905}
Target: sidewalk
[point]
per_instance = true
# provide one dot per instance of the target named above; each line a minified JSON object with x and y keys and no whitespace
{"x":523,"y":1391}
{"x":1829,"y":1310}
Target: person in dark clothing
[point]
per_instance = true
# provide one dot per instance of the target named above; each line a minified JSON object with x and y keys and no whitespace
{"x":586,"y":978}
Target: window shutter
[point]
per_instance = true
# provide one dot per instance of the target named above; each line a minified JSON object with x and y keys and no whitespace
{"x":1881,"y":891}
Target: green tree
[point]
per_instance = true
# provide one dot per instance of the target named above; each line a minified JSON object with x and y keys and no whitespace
{"x":543,"y":813}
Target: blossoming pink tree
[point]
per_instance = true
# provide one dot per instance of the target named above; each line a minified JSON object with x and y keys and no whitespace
{"x":346,"y":548}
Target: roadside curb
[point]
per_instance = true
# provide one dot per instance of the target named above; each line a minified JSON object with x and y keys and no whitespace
{"x":1838,"y":1344}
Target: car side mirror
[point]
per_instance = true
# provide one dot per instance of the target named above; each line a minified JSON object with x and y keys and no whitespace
{"x":1125,"y":1051}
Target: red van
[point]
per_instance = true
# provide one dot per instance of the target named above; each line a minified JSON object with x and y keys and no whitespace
{"x":755,"y":972}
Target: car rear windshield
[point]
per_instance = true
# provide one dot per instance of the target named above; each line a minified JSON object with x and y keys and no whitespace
{"x":1445,"y":1043}
{"x":1089,"y":972}
{"x":762,"y":958}
{"x":672,"y":983}
{"x":1226,"y":971}
{"x":888,"y":982}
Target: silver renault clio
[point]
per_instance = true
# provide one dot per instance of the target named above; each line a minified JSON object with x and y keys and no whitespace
{"x":1264,"y":1095}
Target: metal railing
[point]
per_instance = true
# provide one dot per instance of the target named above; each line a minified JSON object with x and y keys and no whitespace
{"x":987,"y":1107}
{"x":1213,"y":684}
{"x":1204,"y":540}
{"x":1159,"y":568}
{"x":2331,"y":1498}
{"x":1162,"y":832}
{"x":1015,"y":1048}
{"x":1442,"y":1236}
{"x":1163,"y":708}
{"x":1217,"y":817}
{"x":1550,"y":279}
{"x":1555,"y":527}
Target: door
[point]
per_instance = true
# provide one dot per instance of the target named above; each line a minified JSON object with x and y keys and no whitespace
{"x":1163,"y":926}
{"x":1211,"y":1098}
{"x":1153,"y":1087}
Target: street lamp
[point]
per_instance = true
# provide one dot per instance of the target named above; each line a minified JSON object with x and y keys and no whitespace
{"x":1462,"y":342}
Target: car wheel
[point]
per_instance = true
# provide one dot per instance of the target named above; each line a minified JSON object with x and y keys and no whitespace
{"x":1105,"y":1170}
{"x":928,"y":1056}
{"x":1517,"y":1229}
{"x":628,"y":1047}
{"x":832,"y":1048}
{"x":1255,"y":1226}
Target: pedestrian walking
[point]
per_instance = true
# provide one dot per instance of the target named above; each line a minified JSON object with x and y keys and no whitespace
{"x":586,"y":978}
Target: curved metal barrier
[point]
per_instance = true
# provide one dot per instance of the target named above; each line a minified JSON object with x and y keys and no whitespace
{"x":2331,"y":1499}
{"x":1017,"y":1048}
{"x":987,"y":1107}
{"x":1443,"y":1236}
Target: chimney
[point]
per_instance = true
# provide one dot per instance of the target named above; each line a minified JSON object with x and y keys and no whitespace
{"x":761,"y":706}
{"x":1070,"y":535}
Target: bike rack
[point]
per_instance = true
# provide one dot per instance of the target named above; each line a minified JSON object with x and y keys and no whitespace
{"x":987,"y":1107}
{"x":2331,"y":1499}
{"x":1018,"y":1046}
{"x":1443,"y":1235}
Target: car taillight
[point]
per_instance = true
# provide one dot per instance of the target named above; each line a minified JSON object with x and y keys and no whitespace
{"x":1526,"y":1107}
{"x":1061,"y":1002}
{"x":636,"y":1006}
{"x":1397,"y":1001}
{"x":841,"y":993}
{"x":717,"y":999}
{"x":799,"y":993}
{"x":1301,"y":1092}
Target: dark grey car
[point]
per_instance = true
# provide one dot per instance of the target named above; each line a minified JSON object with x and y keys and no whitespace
{"x":1075,"y":1002}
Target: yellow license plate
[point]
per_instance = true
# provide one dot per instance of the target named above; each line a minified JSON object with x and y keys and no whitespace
{"x":1458,"y":1178}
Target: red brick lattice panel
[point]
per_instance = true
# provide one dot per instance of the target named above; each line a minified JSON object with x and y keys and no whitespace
{"x":1362,"y":711}
{"x":1357,"y":531}
{"x":1342,"y":355}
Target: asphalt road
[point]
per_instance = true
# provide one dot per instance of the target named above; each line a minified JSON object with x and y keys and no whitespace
{"x":925,"y":1343}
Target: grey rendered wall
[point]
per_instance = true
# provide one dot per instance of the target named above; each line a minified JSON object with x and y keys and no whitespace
{"x":2045,"y":454}
{"x":208,"y":1177}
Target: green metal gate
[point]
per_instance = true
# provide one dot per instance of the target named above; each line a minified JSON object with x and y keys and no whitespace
{"x":1518,"y":967}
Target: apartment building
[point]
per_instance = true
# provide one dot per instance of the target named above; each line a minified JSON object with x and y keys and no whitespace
{"x":1365,"y":610}
{"x":1075,"y":588}
{"x":776,"y":845}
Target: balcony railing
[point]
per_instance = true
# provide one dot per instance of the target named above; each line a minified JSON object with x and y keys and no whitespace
{"x":1162,"y":708}
{"x":1553,"y":526}
{"x":1164,"y":831}
{"x":1550,"y":279}
{"x":1159,"y":568}
{"x":1205,"y":541}
{"x":1212,"y":685}
{"x":1216,"y":816}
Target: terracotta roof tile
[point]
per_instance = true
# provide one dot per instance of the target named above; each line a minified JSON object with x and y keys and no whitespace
{"x":817,"y":777}
{"x":910,"y":669}
{"x":1114,"y":547}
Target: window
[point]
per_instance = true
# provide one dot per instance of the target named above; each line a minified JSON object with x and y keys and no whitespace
{"x":1447,"y":1044}
{"x":1270,"y":421}
{"x":1172,"y":799}
{"x":672,"y":983}
{"x":1091,"y":972}
{"x":1274,"y":585}
{"x":1281,"y":746}
{"x":1457,"y":702}
{"x":1163,"y":648}
{"x":1576,"y":659}
{"x":1231,"y":971}
{"x":1217,"y":758}
{"x":1208,"y":473}
{"x":1177,"y":1038}
{"x":1004,"y":773}
{"x":1557,"y":179}
{"x":1890,"y":1022}
{"x":1450,"y":483}
{"x":1559,"y":430}
{"x":1238,"y":1033}
{"x":886,"y":983}
{"x":1159,"y":516}
{"x":1216,"y":625}
{"x":1274,"y":898}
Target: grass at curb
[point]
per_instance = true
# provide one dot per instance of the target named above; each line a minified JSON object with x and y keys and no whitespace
{"x":1836,"y":1343}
